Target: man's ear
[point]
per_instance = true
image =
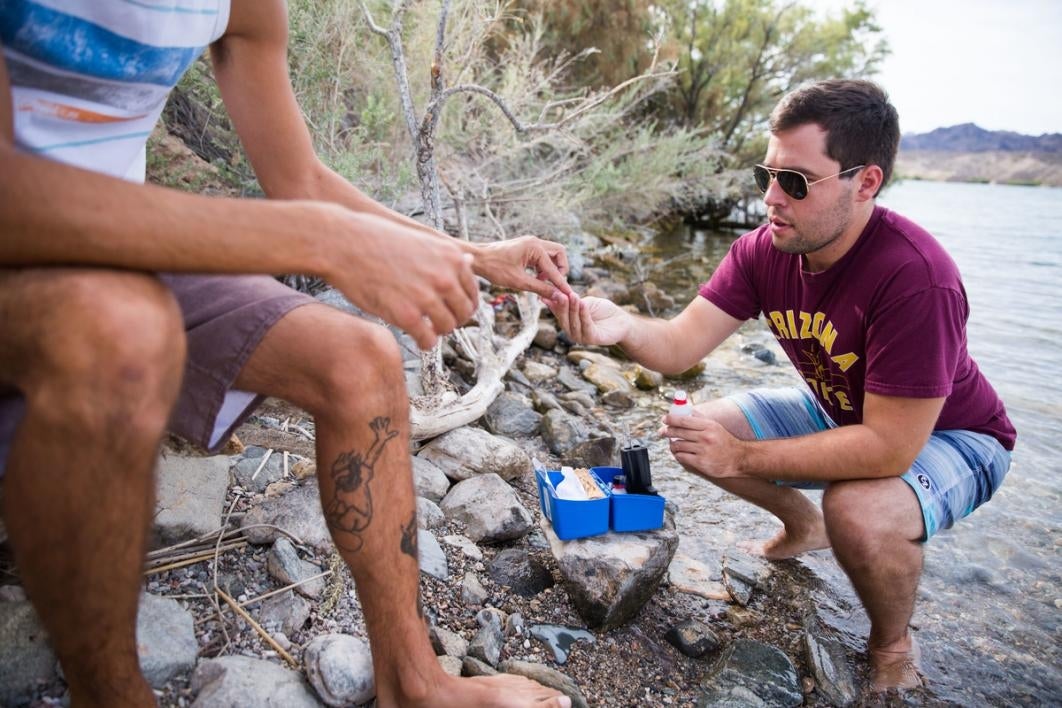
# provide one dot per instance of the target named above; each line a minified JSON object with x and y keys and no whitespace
{"x":870,"y":181}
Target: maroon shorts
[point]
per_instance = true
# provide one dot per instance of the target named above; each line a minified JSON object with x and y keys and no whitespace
{"x":225,"y":318}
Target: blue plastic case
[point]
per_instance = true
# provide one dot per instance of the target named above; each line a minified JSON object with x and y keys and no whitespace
{"x":631,"y":512}
{"x":572,"y":518}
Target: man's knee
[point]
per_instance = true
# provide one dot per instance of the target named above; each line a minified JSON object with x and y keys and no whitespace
{"x":855,"y":517}
{"x":112,"y":341}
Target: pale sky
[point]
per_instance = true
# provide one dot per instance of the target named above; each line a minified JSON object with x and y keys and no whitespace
{"x":995,"y":63}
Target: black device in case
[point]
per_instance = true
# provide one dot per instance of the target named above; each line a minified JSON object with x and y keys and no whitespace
{"x":634,"y":458}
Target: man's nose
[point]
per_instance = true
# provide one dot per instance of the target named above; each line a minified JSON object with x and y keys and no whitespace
{"x":774,"y":196}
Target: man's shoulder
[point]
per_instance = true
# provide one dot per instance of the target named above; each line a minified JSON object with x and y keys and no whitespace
{"x":901,"y":241}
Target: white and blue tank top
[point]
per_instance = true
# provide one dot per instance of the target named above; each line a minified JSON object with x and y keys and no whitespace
{"x":89,"y":79}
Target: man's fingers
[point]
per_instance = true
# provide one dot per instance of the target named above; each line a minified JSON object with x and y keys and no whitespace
{"x":467,"y":279}
{"x":549,"y":270}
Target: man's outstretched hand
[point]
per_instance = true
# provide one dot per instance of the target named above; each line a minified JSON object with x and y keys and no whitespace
{"x":590,"y":320}
{"x":506,"y":263}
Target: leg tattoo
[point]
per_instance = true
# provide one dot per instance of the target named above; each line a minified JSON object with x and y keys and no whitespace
{"x":350,"y":511}
{"x":409,"y":538}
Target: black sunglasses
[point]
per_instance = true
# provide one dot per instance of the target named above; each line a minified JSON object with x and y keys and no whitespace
{"x":793,"y":183}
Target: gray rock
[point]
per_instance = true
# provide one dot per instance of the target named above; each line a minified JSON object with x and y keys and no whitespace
{"x":12,"y":593}
{"x":472,"y":590}
{"x":544,"y":401}
{"x":190,"y":497}
{"x":516,"y":570}
{"x":471,"y":666}
{"x":165,"y":639}
{"x":547,"y":677}
{"x":446,"y":642}
{"x":429,"y":481}
{"x":740,"y":591}
{"x":514,"y":624}
{"x":511,"y":414}
{"x":563,"y":432}
{"x":451,"y":664}
{"x":537,"y":372}
{"x":286,"y":612}
{"x":693,"y":638}
{"x":618,"y":399}
{"x":489,"y":508}
{"x":749,"y":569}
{"x":298,"y":512}
{"x":830,"y":666}
{"x":429,"y":515}
{"x":487,"y":644}
{"x":598,"y":451}
{"x":545,"y":337}
{"x":468,"y":548}
{"x":431,"y":556}
{"x":573,"y":382}
{"x":610,"y":577}
{"x":647,"y":379}
{"x":560,"y":639}
{"x":584,"y":399}
{"x":251,"y":461}
{"x":607,"y":378}
{"x":240,"y":681}
{"x":339,"y":667}
{"x":750,"y":673}
{"x":26,"y":657}
{"x":284,"y":564}
{"x":467,"y":452}
{"x":649,"y":298}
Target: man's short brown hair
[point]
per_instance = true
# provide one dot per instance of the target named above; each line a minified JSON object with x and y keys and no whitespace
{"x":862,"y":127}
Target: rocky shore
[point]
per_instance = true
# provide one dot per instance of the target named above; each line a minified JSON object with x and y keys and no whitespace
{"x":676,"y":616}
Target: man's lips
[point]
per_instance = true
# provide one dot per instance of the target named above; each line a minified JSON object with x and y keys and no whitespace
{"x":777,"y":223}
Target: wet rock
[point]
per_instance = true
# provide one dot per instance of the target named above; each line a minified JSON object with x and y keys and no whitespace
{"x":446,"y":642}
{"x":431,"y":555}
{"x":237,"y":681}
{"x":690,"y":373}
{"x":647,"y":379}
{"x":618,"y":399}
{"x":547,"y":677}
{"x":545,"y":337}
{"x":26,"y":657}
{"x":693,"y":638}
{"x":742,"y":573}
{"x":339,"y":667}
{"x":251,"y":462}
{"x":472,"y":590}
{"x":451,"y":664}
{"x":650,"y":299}
{"x":429,"y":481}
{"x":750,"y":673}
{"x":573,"y":382}
{"x":489,"y":508}
{"x":471,"y":666}
{"x":467,"y":452}
{"x":830,"y":666}
{"x":165,"y":639}
{"x":516,"y":570}
{"x":544,"y":401}
{"x":610,"y":577}
{"x":760,"y":352}
{"x":287,"y":612}
{"x":284,"y":564}
{"x":190,"y":497}
{"x":511,"y":414}
{"x":429,"y":515}
{"x":695,"y":577}
{"x":560,"y":639}
{"x":468,"y":548}
{"x":739,"y":591}
{"x":298,"y":512}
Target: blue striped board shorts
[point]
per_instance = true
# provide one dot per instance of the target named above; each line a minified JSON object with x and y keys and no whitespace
{"x":956,"y":472}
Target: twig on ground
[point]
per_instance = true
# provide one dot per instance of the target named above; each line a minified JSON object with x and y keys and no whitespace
{"x":258,"y":628}
{"x":265,"y":459}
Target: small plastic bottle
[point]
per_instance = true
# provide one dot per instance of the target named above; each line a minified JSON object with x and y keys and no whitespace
{"x":619,"y":484}
{"x":680,"y":404}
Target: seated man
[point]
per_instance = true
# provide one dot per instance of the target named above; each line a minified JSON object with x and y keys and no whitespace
{"x":897,"y":423}
{"x":94,"y":345}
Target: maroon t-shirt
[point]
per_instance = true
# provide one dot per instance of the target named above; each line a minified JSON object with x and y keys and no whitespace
{"x":889,"y":317}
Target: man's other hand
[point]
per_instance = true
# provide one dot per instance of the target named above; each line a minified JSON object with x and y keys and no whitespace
{"x":591,"y":320}
{"x":507,"y":263}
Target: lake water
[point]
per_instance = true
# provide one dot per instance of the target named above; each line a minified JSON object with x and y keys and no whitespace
{"x":991,"y":596}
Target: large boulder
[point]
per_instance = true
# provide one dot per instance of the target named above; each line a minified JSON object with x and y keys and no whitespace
{"x":489,"y":508}
{"x":429,"y":481}
{"x":749,"y":673}
{"x":190,"y":497}
{"x":512,"y":414}
{"x":610,"y":577}
{"x":466,"y":452}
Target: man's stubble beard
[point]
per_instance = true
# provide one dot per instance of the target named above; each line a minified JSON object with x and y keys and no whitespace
{"x":834,"y":222}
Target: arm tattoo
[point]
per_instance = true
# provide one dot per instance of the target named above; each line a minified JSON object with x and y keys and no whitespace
{"x":350,"y":511}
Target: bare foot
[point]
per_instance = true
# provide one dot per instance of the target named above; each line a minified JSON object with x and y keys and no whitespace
{"x":499,"y":691}
{"x":789,"y":544}
{"x":900,"y":670}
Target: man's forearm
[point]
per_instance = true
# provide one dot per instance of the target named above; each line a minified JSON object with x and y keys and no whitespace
{"x":848,"y":452}
{"x":53,"y":214}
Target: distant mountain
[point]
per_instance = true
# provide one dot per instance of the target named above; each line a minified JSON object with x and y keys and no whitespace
{"x":971,"y":138}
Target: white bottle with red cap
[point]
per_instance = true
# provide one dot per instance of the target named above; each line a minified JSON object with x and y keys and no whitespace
{"x":680,"y":404}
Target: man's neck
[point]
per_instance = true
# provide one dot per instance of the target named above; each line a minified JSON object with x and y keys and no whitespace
{"x":826,"y":256}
